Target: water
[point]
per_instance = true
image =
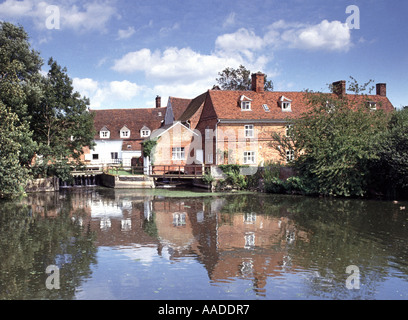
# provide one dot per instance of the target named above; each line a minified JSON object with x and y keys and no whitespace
{"x":169,"y":244}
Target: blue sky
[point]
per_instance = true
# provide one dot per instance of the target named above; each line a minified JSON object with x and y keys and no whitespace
{"x":122,"y":54}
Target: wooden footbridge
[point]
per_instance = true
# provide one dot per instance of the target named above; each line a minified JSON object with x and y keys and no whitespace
{"x":179,"y":172}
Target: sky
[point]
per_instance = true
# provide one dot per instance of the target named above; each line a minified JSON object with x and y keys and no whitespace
{"x":122,"y":54}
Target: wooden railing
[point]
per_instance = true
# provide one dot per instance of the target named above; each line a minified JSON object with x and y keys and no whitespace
{"x":187,"y":171}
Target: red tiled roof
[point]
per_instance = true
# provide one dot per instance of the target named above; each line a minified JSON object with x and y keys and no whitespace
{"x":227,"y":104}
{"x":178,"y":105}
{"x":134,"y":119}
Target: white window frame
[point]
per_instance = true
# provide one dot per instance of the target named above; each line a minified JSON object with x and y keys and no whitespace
{"x":290,"y":155}
{"x":249,"y":157}
{"x":249,"y":131}
{"x":104,"y":134}
{"x":179,"y":219}
{"x":372,"y":105}
{"x":125,"y":134}
{"x":178,"y":153}
{"x":145,"y":133}
{"x":286,"y":106}
{"x":246,"y":105}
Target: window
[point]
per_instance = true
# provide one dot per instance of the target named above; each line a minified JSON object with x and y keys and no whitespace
{"x":246,"y":105}
{"x":105,"y":134}
{"x":95,"y":157}
{"x":372,"y":105}
{"x":249,"y":157}
{"x":290,"y":155}
{"x":288,"y":131}
{"x":114,"y":155}
{"x":179,"y":219}
{"x":178,"y":154}
{"x":249,"y":131}
{"x":145,"y":133}
{"x":124,"y":132}
{"x":266,"y":108}
{"x":286,"y":106}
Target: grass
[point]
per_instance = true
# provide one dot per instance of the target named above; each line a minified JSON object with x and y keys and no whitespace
{"x":123,"y":173}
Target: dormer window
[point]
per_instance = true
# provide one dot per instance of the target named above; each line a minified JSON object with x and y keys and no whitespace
{"x":125,"y":133}
{"x":145,"y":132}
{"x":372,"y":105}
{"x":104,"y":133}
{"x":286,"y":104}
{"x":245,"y":103}
{"x":330,"y":107}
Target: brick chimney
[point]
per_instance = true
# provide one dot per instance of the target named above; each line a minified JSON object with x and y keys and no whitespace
{"x":339,"y":88}
{"x":258,"y":82}
{"x":158,"y":102}
{"x":381,"y":89}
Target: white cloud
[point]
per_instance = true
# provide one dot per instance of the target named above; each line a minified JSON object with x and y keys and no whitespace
{"x":77,"y":15}
{"x":13,"y":8}
{"x":125,"y":34}
{"x":327,"y":36}
{"x":110,"y":94}
{"x":242,"y":41}
{"x":182,"y":65}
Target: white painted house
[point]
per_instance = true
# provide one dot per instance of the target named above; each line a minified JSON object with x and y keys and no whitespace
{"x":120,"y":132}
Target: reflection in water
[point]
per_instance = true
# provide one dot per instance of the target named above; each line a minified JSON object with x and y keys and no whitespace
{"x":152,"y":244}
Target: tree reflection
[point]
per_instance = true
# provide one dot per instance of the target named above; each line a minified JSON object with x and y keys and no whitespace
{"x":30,"y":242}
{"x":253,"y":237}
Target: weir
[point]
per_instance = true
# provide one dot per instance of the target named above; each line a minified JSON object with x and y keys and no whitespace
{"x":82,"y":180}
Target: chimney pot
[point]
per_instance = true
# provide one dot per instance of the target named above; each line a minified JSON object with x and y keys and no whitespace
{"x":339,"y":88}
{"x":381,"y":89}
{"x":258,"y":82}
{"x":158,"y":102}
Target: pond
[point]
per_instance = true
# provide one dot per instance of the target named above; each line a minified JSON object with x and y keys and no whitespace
{"x":99,"y":244}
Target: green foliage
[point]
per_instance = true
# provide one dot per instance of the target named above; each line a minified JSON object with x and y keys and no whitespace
{"x":233,"y":176}
{"x":335,"y":142}
{"x":391,"y":170}
{"x":149,"y":148}
{"x":61,"y":122}
{"x":54,"y":120}
{"x":208,"y":178}
{"x":12,"y":175}
{"x":239,"y":79}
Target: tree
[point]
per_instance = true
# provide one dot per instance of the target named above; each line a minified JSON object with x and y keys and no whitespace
{"x":392,"y":167}
{"x":335,"y":142}
{"x":12,"y":175}
{"x":238,"y":79}
{"x":61,"y":122}
{"x":19,"y":73}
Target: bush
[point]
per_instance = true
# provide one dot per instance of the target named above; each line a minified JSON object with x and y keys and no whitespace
{"x":274,"y":185}
{"x":233,"y":176}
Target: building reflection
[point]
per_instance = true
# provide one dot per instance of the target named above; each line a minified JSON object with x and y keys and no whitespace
{"x":246,"y":244}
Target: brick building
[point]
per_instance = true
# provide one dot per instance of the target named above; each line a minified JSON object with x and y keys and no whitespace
{"x":237,"y":126}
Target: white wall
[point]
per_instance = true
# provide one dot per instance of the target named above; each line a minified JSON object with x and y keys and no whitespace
{"x":104,"y":148}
